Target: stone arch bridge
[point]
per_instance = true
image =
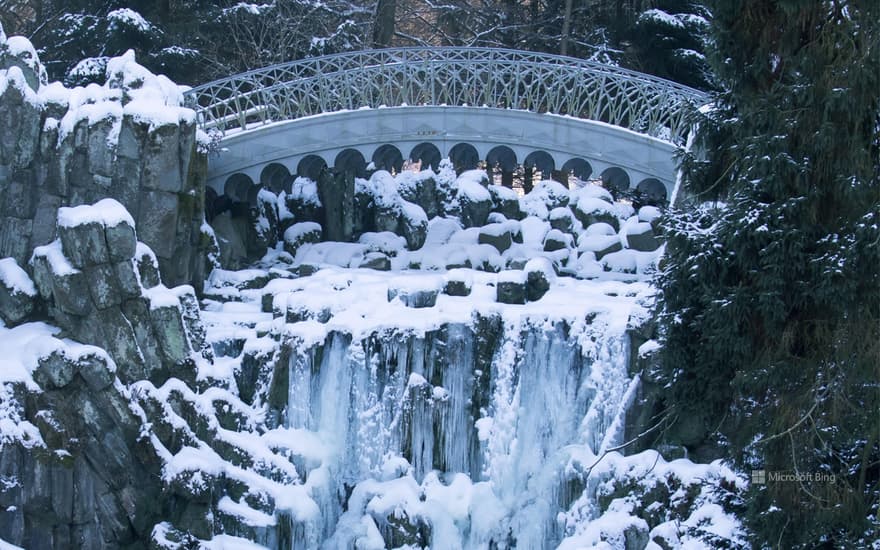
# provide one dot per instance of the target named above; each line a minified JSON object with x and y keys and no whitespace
{"x":504,"y":107}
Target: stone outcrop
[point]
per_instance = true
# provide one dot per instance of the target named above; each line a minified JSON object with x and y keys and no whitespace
{"x":129,"y":139}
{"x":90,"y":281}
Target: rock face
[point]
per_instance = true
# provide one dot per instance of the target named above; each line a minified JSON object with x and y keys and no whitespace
{"x":60,"y":148}
{"x":90,"y":281}
{"x":87,"y":484}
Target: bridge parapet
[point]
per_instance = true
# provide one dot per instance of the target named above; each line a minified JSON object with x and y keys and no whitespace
{"x":477,"y":77}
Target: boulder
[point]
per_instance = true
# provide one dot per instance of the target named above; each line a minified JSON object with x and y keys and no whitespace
{"x":413,"y":225}
{"x":17,"y":292}
{"x":497,"y":235}
{"x":511,"y":287}
{"x":539,"y":275}
{"x":505,"y":201}
{"x":598,"y":244}
{"x":299,"y":234}
{"x":640,"y":236}
{"x":561,"y":219}
{"x":474,"y":199}
{"x":557,"y":240}
{"x":59,"y":282}
{"x":589,"y":210}
{"x":377,"y":261}
{"x":169,"y":328}
{"x":415,"y":292}
{"x":458,"y":283}
{"x":147,"y":266}
{"x":421,"y":189}
{"x":336,"y":192}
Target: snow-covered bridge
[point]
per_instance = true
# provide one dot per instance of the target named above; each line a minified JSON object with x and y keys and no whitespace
{"x":504,"y":107}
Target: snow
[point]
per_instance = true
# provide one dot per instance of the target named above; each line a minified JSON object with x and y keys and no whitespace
{"x":470,"y":186}
{"x":543,"y":266}
{"x":16,"y":279}
{"x":15,"y":78}
{"x":129,"y":18}
{"x":106,"y":212}
{"x":305,"y":191}
{"x":246,"y":514}
{"x":589,"y":205}
{"x":599,"y":228}
{"x":55,"y":255}
{"x":661,"y":17}
{"x":648,"y":213}
{"x":296,"y":231}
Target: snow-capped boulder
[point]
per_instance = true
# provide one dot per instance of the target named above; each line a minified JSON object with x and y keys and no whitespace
{"x":562,"y":219}
{"x":421,"y":188}
{"x":640,"y":236}
{"x":299,"y":234}
{"x":557,"y":240}
{"x":458,"y":282}
{"x":589,"y":210}
{"x":511,"y":287}
{"x":496,"y":234}
{"x":414,"y":291}
{"x":540,"y":274}
{"x":17,"y":292}
{"x":505,"y":201}
{"x":474,"y":198}
{"x":544,"y":197}
{"x":600,"y":245}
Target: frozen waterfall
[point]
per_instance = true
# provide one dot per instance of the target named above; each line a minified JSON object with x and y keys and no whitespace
{"x":459,"y":437}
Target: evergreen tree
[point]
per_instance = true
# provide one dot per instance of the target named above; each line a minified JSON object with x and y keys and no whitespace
{"x":771,"y":297}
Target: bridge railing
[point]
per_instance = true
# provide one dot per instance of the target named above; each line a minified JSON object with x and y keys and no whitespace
{"x":479,"y":77}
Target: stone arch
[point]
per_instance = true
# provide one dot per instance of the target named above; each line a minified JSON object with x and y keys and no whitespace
{"x":351,"y":160}
{"x":615,"y":180}
{"x":540,"y":160}
{"x":388,"y":157}
{"x":464,"y":156}
{"x":652,"y":191}
{"x":428,"y":154}
{"x":503,"y":156}
{"x":276,"y":178}
{"x":310,"y":167}
{"x":579,"y":168}
{"x":237,"y":187}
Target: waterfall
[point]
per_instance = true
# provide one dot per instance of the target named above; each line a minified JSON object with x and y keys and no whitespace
{"x":460,"y":437}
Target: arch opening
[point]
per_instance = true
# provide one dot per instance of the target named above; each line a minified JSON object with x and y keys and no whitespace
{"x":276,"y":178}
{"x":310,"y":167}
{"x":651,"y":191}
{"x":464,"y":156}
{"x":388,"y":157}
{"x":427,"y":155}
{"x":237,"y":187}
{"x":615,"y":180}
{"x":351,"y":160}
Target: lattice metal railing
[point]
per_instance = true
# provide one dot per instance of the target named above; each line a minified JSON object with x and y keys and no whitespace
{"x":479,"y":77}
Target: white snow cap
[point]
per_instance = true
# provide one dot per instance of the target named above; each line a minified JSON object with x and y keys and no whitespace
{"x":16,"y":279}
{"x":106,"y":212}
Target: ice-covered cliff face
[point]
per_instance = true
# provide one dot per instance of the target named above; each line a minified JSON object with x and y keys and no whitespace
{"x":455,"y":426}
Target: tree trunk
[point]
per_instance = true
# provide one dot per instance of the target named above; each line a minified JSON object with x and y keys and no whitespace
{"x":566,"y":28}
{"x":383,"y":26}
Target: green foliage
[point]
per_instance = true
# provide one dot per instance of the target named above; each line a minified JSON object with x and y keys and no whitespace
{"x":771,"y":298}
